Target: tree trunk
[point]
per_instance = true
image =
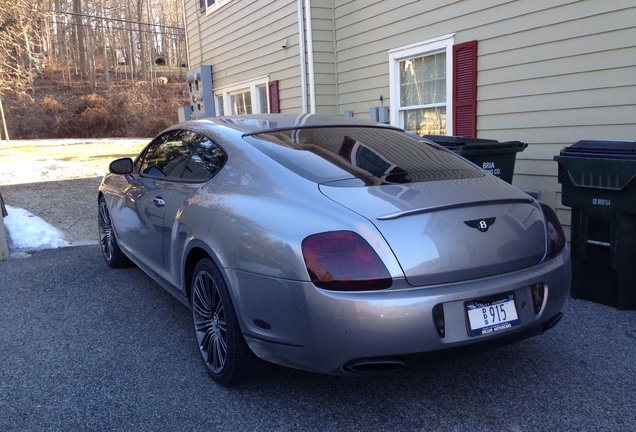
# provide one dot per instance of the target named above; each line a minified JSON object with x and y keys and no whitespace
{"x":79,"y":31}
{"x":61,"y":34}
{"x":104,"y":51}
{"x":142,"y":41}
{"x":133,"y":63}
{"x":28,"y":56}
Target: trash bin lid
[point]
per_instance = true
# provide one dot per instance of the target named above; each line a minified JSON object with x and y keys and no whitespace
{"x":457,"y":140}
{"x":602,"y":149}
{"x":466,"y":143}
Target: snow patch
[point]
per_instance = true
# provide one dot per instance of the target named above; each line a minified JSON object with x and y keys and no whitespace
{"x":29,"y":232}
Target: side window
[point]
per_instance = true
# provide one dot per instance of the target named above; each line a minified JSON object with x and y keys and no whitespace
{"x":433,"y":87}
{"x":212,"y":4}
{"x":141,"y":164}
{"x":181,"y":155}
{"x":421,"y":86}
{"x":244,"y":98}
{"x":207,"y":159}
{"x":168,"y":155}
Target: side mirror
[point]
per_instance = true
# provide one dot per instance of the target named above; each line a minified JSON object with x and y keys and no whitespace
{"x":121,"y":166}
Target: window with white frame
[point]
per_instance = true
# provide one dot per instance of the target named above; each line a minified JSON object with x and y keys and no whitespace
{"x":244,"y":98}
{"x":205,"y":6}
{"x":421,"y":86}
{"x":211,"y":4}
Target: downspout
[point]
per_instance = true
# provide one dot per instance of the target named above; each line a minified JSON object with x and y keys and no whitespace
{"x":310,"y":58}
{"x":303,"y":64}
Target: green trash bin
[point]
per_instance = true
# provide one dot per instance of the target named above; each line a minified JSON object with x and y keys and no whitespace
{"x":598,"y":181}
{"x":498,"y":158}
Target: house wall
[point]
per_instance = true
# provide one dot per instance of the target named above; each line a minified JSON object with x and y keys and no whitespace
{"x":324,"y":51}
{"x":242,"y":40}
{"x":550,"y":72}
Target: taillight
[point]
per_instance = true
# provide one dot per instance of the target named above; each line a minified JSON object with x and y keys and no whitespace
{"x":556,"y":236}
{"x":344,"y":261}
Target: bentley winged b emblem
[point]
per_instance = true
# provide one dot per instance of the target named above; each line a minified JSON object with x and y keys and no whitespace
{"x":481,"y":224}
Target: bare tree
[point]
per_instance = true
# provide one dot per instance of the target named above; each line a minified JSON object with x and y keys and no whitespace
{"x":78,"y":30}
{"x":104,"y":51}
{"x":73,"y":35}
{"x":21,"y":50}
{"x":141,"y":39}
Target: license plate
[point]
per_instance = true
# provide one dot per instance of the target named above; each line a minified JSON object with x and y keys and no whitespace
{"x":485,"y":317}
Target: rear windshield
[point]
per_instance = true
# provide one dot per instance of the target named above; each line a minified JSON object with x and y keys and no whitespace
{"x":361,"y":155}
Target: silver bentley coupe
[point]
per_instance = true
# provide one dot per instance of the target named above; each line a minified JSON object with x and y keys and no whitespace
{"x":332,"y":245}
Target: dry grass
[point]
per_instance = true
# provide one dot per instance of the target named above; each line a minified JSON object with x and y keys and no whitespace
{"x":57,"y":178}
{"x":56,"y":109}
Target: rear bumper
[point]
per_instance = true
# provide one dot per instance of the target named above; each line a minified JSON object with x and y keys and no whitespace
{"x":297,"y":325}
{"x":388,"y":364}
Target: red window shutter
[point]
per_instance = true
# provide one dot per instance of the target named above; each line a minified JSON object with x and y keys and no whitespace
{"x":274,"y":102}
{"x":202,"y":6}
{"x":465,"y":89}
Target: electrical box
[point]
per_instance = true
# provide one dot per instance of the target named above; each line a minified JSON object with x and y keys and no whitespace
{"x":201,"y":87}
{"x":185,"y":113}
{"x":380,"y":114}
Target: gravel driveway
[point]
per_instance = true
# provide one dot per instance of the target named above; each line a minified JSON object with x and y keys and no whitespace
{"x":89,"y":348}
{"x":68,"y":205}
{"x":57,"y":180}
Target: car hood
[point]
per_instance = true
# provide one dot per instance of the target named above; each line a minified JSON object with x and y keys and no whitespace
{"x":452,"y":230}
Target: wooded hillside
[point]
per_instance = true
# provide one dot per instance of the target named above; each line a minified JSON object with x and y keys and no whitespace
{"x":90,"y":68}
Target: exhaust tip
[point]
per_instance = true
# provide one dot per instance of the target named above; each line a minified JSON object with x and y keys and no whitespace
{"x":374,"y":366}
{"x":552,"y":321}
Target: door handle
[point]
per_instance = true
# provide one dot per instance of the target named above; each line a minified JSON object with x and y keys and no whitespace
{"x":159,"y":202}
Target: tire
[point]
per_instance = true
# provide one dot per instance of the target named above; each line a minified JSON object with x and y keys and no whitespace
{"x":223,"y":349}
{"x":111,"y":252}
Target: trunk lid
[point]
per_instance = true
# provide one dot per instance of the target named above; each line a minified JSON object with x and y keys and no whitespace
{"x":451,"y":230}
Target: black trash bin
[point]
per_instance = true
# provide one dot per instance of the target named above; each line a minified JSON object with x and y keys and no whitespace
{"x":598,"y":181}
{"x":496,"y":157}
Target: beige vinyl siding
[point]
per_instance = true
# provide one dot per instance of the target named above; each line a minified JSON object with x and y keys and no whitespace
{"x":367,"y":30}
{"x":242,"y":40}
{"x":362,"y":55}
{"x":555,"y":77}
{"x":324,"y":57}
{"x":549,"y":73}
{"x":193,"y":36}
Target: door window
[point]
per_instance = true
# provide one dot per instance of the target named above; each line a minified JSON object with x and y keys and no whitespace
{"x":181,"y":155}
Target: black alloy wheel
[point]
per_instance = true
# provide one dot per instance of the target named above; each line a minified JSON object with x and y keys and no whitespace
{"x":223,"y":349}
{"x":113,"y":255}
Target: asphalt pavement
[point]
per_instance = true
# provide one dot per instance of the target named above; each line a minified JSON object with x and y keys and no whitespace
{"x":88,"y":348}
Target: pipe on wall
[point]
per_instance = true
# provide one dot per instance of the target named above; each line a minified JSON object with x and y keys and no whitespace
{"x":305,"y":32}
{"x":303,"y":63}
{"x":310,"y":57}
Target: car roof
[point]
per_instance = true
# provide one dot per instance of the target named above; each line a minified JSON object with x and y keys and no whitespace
{"x":258,"y":123}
